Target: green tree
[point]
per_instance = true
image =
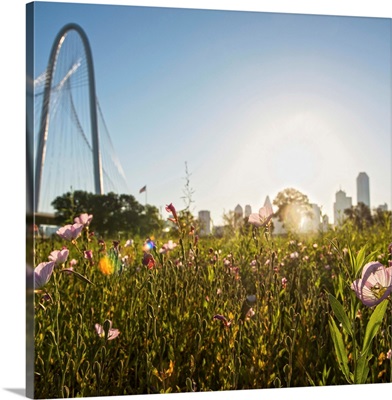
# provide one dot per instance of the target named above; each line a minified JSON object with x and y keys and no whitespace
{"x":70,"y":205}
{"x":382,"y":217}
{"x":149,"y":221}
{"x":293,"y":206}
{"x":113,"y":215}
{"x":359,"y":215}
{"x":228,"y":223}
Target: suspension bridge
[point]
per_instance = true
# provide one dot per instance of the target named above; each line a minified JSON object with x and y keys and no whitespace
{"x":73,"y":149}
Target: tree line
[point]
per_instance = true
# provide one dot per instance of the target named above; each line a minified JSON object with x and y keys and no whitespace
{"x":116,"y":214}
{"x":113,"y":214}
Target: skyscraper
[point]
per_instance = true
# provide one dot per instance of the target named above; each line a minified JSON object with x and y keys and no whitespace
{"x":238,"y":216}
{"x":205,"y":222}
{"x":342,"y":203}
{"x":239,"y":212}
{"x":363,"y":191}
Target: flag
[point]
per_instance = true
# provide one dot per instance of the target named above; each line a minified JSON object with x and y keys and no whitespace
{"x":143,"y":189}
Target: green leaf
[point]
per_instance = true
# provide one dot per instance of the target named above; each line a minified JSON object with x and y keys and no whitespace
{"x":373,"y":325}
{"x":79,"y":276}
{"x":340,"y":314}
{"x":361,"y":369}
{"x":339,"y":349}
{"x":211,"y":274}
{"x":359,"y":260}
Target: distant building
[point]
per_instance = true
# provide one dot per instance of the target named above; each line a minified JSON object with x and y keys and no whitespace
{"x":316,"y":219}
{"x":218,"y":231}
{"x":205,"y":223}
{"x":325,"y":223}
{"x":238,"y":216}
{"x":383,"y":207}
{"x":312,"y":222}
{"x":248,"y":210}
{"x":363,"y":190}
{"x":49,"y":230}
{"x":238,"y":211}
{"x":342,"y":203}
{"x":278,"y":228}
{"x":267,"y":202}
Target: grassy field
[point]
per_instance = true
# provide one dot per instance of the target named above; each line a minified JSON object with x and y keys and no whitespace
{"x":178,"y":313}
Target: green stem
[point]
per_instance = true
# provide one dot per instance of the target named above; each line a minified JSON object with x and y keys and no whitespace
{"x":57,"y":334}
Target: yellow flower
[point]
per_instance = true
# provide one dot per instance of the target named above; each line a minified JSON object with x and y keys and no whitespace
{"x":106,"y":266}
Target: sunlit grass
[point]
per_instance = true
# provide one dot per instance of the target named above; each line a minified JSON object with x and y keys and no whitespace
{"x":181,"y":313}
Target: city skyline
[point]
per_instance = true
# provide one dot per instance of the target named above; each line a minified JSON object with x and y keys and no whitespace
{"x":342,"y":202}
{"x":255,"y":102}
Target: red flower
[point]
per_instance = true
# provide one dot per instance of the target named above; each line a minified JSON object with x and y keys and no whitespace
{"x":170,"y":208}
{"x":148,"y":260}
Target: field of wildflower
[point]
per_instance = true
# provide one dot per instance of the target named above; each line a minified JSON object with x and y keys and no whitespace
{"x":176,"y":312}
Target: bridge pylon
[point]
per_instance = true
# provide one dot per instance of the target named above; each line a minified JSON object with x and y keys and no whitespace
{"x":44,"y":123}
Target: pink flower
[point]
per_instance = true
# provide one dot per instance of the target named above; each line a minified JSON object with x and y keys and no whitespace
{"x":88,"y":254}
{"x":284,"y":282}
{"x":42,"y":273}
{"x":375,"y":284}
{"x":170,"y":208}
{"x":59,"y":256}
{"x":83,"y":219}
{"x":389,"y":354}
{"x":262,"y":218}
{"x":70,"y":232}
{"x":250,"y":314}
{"x":106,"y":331}
{"x":170,"y":245}
{"x":225,"y":322}
{"x":73,"y":262}
{"x":294,"y":254}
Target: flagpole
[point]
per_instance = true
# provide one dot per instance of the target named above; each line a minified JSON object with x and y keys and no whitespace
{"x":146,"y":196}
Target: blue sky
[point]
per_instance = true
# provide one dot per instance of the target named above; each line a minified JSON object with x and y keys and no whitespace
{"x":253,"y":102}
